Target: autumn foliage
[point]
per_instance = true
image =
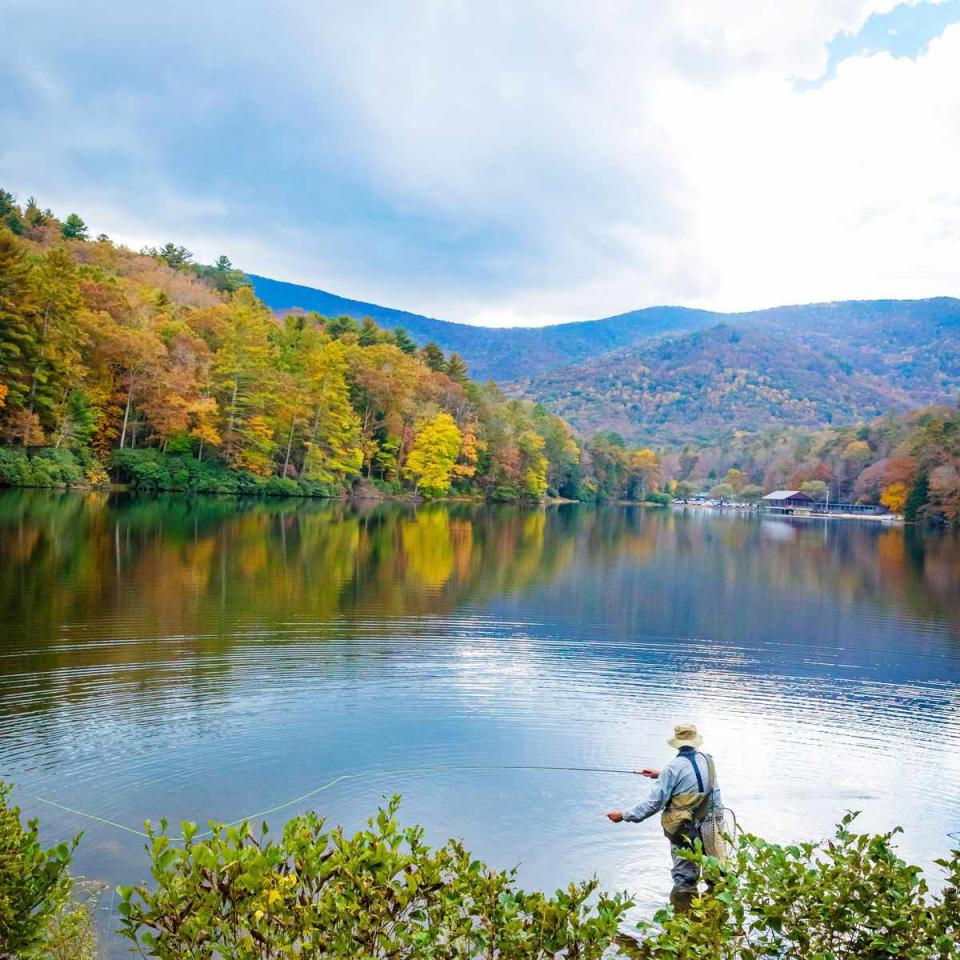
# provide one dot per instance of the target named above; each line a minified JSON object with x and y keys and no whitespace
{"x":108,"y":350}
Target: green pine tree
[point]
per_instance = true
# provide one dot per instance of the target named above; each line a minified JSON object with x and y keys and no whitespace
{"x":434,"y":358}
{"x":17,"y":329}
{"x":73,"y":228}
{"x":917,"y":498}
{"x":402,"y":339}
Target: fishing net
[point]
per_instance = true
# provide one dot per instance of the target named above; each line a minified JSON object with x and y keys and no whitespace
{"x":719,"y":834}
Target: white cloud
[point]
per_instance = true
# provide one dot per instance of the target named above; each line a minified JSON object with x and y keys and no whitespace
{"x":504,"y":163}
{"x":846,"y":191}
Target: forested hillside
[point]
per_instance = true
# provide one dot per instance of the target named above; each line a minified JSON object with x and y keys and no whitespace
{"x":861,"y":333}
{"x":170,"y":374}
{"x":704,"y":385}
{"x":173,"y":374}
{"x":908,"y":463}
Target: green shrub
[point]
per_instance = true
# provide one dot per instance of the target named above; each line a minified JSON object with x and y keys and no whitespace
{"x":70,"y":932}
{"x":659,"y":496}
{"x":49,"y":467}
{"x":34,"y":884}
{"x":380,"y":893}
{"x":849,"y":898}
{"x":149,"y":469}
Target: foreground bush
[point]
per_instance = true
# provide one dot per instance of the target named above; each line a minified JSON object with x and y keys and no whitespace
{"x":381,"y":893}
{"x":850,"y":898}
{"x":34,"y":886}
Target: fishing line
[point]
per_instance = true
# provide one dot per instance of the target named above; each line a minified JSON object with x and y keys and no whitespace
{"x":89,"y":816}
{"x":358,"y":775}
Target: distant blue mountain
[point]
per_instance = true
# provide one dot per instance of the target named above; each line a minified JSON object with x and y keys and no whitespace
{"x":908,"y":346}
{"x":499,"y":353}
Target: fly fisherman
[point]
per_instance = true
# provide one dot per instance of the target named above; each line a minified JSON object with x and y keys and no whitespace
{"x":686,"y":790}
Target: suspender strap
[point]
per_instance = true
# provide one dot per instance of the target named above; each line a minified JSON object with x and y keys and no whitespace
{"x":710,"y":774}
{"x":693,"y":763}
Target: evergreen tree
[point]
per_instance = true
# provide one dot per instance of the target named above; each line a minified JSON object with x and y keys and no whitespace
{"x":175,"y":256}
{"x":434,"y":359}
{"x":10,"y":215}
{"x":402,"y":339}
{"x":369,"y":333}
{"x":34,"y":215}
{"x":73,"y":228}
{"x":457,"y":368}
{"x":56,"y":359}
{"x":338,"y":326}
{"x":78,"y":423}
{"x":917,"y":498}
{"x":17,"y":328}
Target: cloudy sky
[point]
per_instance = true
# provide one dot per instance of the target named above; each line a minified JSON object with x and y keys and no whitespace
{"x":505,"y":163}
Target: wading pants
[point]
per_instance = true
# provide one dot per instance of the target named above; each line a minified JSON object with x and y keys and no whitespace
{"x":685,"y":873}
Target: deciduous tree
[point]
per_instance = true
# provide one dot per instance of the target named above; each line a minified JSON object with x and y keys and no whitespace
{"x":435,"y":451}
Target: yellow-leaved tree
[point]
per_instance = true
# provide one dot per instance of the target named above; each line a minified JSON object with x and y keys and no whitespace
{"x":534,"y":464}
{"x":894,"y":497}
{"x":435,"y":451}
{"x":644,"y":472}
{"x":334,"y":446}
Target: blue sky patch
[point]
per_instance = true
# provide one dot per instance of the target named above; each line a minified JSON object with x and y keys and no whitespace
{"x":903,"y":32}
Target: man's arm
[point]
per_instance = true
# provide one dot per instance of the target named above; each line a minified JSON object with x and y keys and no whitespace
{"x":655,"y":800}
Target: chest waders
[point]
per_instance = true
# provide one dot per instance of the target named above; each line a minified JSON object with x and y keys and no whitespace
{"x":684,"y":808}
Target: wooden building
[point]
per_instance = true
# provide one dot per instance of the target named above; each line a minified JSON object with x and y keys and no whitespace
{"x":786,"y":501}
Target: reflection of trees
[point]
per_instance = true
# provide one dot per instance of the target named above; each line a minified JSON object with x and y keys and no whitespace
{"x":707,"y":574}
{"x":208,"y":570}
{"x":201,"y":573}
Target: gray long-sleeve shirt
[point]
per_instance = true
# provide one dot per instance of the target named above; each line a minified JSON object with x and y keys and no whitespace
{"x":677,"y":777}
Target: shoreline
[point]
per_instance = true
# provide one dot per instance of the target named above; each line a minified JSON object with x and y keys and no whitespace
{"x":798,"y":515}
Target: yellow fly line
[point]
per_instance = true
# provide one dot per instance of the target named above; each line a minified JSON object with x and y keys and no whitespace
{"x":358,"y":775}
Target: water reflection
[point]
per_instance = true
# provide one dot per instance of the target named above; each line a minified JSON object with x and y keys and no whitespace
{"x":209,"y":657}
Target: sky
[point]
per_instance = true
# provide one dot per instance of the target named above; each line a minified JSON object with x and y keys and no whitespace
{"x":505,"y":163}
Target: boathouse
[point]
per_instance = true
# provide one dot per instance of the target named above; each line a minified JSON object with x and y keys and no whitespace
{"x":786,"y":501}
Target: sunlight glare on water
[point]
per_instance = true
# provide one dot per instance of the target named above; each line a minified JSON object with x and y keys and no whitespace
{"x":210,"y":658}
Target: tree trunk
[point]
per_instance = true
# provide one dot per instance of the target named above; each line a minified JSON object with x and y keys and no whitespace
{"x":233,"y":407}
{"x":286,"y":459}
{"x":126,"y":416}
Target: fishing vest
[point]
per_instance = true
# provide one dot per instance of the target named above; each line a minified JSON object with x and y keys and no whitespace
{"x":683,"y":808}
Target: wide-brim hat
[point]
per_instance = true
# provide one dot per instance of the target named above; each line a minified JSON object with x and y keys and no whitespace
{"x":685,"y":735}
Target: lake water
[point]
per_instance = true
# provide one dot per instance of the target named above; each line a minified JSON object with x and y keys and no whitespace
{"x":210,"y":658}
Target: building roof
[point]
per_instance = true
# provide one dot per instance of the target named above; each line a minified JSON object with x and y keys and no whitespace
{"x":786,"y":495}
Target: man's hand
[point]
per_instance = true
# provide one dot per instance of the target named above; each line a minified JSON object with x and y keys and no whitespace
{"x":648,"y":772}
{"x":615,"y":816}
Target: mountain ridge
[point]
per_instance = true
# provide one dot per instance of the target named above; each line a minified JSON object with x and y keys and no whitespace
{"x":700,"y":386}
{"x":675,"y":375}
{"x":503,"y":353}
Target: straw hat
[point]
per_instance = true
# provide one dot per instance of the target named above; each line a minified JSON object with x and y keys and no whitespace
{"x":685,"y":735}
